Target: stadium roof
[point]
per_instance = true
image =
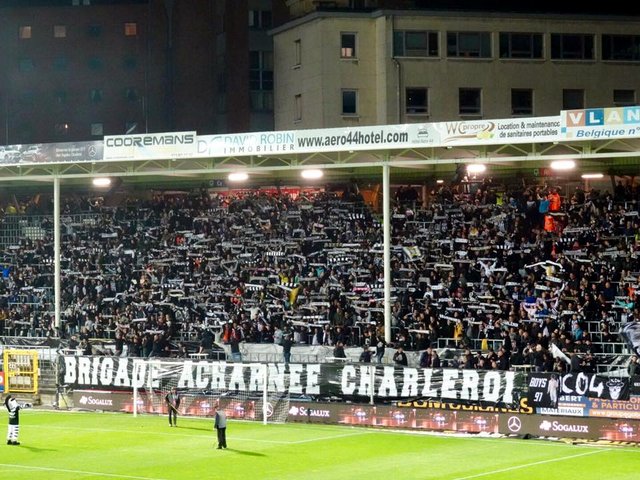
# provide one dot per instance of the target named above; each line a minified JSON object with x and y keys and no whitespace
{"x":599,"y":140}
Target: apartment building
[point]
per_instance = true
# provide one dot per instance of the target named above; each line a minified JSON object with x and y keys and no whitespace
{"x":81,"y":69}
{"x":339,"y":68}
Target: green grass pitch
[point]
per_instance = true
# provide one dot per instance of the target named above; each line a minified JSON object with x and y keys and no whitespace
{"x":65,"y":445}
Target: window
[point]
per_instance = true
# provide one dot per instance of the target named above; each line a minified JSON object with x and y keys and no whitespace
{"x":521,"y":45}
{"x":566,"y":46}
{"x":130,"y":63}
{"x":131,"y":94}
{"x":417,"y":101}
{"x":95,"y":63}
{"x":221,"y":46}
{"x":261,"y":70}
{"x":60,"y":63}
{"x":222,"y":103}
{"x":469,"y":44}
{"x":470,"y":101}
{"x":61,"y":129}
{"x":260,"y":19}
{"x":297,"y":108}
{"x":96,"y":95}
{"x":26,"y":65}
{"x":261,"y":75}
{"x":348,"y":45}
{"x":94,"y":31}
{"x":59,"y":31}
{"x":97,"y":129}
{"x":60,"y":97}
{"x":27,"y":98}
{"x":572,"y":99}
{"x":415,"y":43}
{"x":24,"y":32}
{"x":349,"y":102}
{"x":521,"y":101}
{"x":624,"y":98}
{"x":130,"y":29}
{"x":261,"y":101}
{"x":297,"y":52}
{"x":621,"y":47}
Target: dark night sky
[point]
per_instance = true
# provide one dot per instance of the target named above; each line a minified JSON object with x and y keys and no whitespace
{"x":65,"y":3}
{"x":628,"y":7}
{"x":611,"y":7}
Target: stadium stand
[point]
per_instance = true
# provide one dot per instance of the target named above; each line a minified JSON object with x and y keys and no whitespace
{"x":491,"y":278}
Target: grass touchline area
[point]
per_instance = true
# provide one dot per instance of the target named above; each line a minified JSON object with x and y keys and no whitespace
{"x":64,"y":445}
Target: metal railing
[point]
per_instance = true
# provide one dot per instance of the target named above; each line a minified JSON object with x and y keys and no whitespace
{"x":472,"y":344}
{"x":275,"y":357}
{"x":15,"y":228}
{"x":605,"y":348}
{"x":47,"y":361}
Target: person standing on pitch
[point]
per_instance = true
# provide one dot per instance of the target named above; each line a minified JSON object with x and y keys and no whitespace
{"x":221,"y":426}
{"x":173,"y":401}
{"x":287,"y":343}
{"x":14,"y":408}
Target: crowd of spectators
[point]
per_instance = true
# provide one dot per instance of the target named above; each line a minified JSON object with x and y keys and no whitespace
{"x":527,"y":269}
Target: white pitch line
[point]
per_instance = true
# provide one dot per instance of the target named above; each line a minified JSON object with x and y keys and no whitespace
{"x":82,"y":472}
{"x":532,"y":464}
{"x":332,"y":437}
{"x":173,"y":433}
{"x":472,"y":437}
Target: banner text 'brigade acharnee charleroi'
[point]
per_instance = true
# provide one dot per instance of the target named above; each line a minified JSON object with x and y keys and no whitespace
{"x":317,"y":380}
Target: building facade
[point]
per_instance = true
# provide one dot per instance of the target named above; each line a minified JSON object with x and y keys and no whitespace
{"x":81,"y":69}
{"x":346,"y":68}
{"x":244,"y":63}
{"x":74,"y":71}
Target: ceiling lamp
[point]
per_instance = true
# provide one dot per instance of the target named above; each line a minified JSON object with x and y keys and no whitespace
{"x":312,"y":174}
{"x":101,"y":182}
{"x":563,"y":165}
{"x":238,"y":177}
{"x":475,"y":168}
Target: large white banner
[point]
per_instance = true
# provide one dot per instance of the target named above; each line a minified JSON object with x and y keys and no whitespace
{"x":319,"y":140}
{"x":383,"y":137}
{"x":601,"y":123}
{"x":150,"y":146}
{"x":496,"y":132}
{"x":589,"y":124}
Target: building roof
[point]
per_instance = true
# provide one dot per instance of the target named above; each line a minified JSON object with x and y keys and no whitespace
{"x":588,"y":16}
{"x":63,"y":3}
